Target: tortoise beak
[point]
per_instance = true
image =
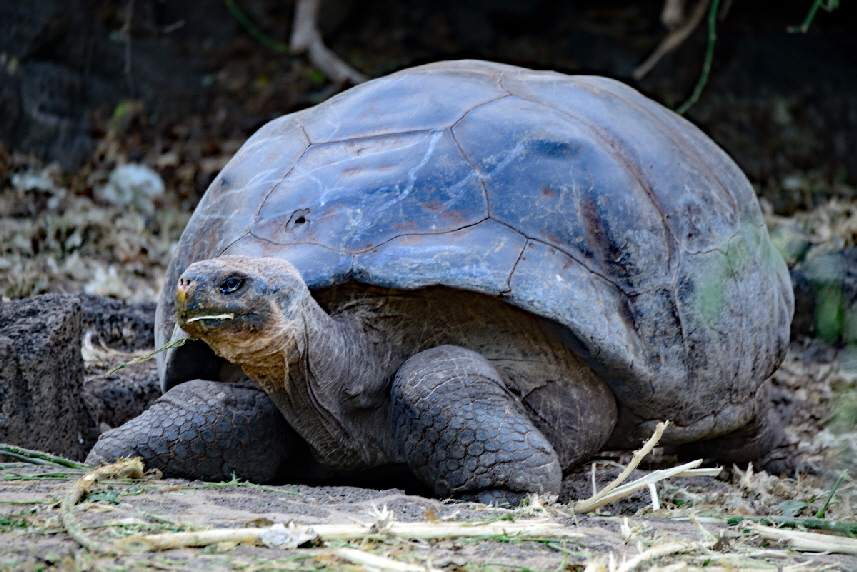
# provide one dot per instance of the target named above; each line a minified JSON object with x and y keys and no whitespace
{"x":185,"y":298}
{"x":181,"y":293}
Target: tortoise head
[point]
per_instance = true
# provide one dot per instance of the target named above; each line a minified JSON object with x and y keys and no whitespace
{"x":241,"y":306}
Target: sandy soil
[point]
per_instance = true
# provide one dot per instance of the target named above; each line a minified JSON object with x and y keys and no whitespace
{"x":32,"y":535}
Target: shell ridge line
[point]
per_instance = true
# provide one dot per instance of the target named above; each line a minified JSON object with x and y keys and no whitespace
{"x":416,"y":141}
{"x":464,"y":154}
{"x":515,"y":265}
{"x":294,"y":243}
{"x":368,"y":248}
{"x":406,"y":234}
{"x":473,"y":170}
{"x":256,"y":179}
{"x":562,"y":250}
{"x":228,"y":246}
{"x":671,"y":133}
{"x":285,"y":175}
{"x":475,"y":107}
{"x":377,"y":136}
{"x":630,"y":166}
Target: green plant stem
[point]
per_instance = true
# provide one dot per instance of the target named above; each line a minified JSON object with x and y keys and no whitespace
{"x":709,"y":58}
{"x":38,"y":457}
{"x":173,"y":343}
{"x":813,"y":10}
{"x":820,"y":513}
{"x":848,"y":528}
{"x":251,"y":28}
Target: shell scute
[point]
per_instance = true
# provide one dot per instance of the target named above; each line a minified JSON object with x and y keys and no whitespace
{"x":368,"y":110}
{"x":479,"y":258}
{"x":358,"y":194}
{"x":660,"y":153}
{"x":548,"y":177}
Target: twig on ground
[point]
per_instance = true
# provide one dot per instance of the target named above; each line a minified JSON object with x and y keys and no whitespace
{"x":601,"y":499}
{"x":39,"y":457}
{"x":376,"y":562}
{"x":614,"y":491}
{"x":808,"y":541}
{"x":326,"y":532}
{"x":658,"y":552}
{"x":637,"y":458}
{"x":307,"y":38}
{"x":653,"y":492}
{"x":123,"y":468}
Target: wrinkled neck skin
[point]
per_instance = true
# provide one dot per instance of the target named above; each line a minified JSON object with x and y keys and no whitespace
{"x":329,"y":381}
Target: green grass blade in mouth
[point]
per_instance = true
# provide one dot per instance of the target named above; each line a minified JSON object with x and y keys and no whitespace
{"x":211,"y":317}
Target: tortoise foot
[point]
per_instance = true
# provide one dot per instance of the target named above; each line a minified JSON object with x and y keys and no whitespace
{"x":204,"y":430}
{"x":495,"y":497}
{"x":463,"y":433}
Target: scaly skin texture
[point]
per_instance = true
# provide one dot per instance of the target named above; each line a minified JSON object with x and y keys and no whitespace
{"x":463,"y":432}
{"x":205,"y":430}
{"x":468,"y":359}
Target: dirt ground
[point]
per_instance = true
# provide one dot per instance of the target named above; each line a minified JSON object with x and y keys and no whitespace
{"x":70,"y":230}
{"x":675,"y":537}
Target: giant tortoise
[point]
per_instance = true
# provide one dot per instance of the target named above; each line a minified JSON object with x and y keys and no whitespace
{"x":478,"y":271}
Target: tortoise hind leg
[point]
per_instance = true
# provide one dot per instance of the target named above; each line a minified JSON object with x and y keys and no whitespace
{"x":756,"y":442}
{"x":205,"y":430}
{"x":464,"y":434}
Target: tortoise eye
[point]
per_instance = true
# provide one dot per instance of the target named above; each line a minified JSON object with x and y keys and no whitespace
{"x":231,"y":284}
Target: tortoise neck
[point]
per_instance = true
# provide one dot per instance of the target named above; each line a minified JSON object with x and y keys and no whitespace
{"x":328,"y":380}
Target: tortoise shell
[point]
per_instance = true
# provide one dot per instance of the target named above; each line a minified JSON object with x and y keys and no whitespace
{"x":573,"y":197}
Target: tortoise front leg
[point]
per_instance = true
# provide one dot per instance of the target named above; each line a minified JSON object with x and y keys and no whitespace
{"x":205,"y":430}
{"x":464,"y":434}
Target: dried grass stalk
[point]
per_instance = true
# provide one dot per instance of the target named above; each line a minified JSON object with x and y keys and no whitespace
{"x":808,"y":541}
{"x":412,"y":531}
{"x":123,"y":468}
{"x":614,"y":491}
{"x":658,"y":552}
{"x":376,"y":562}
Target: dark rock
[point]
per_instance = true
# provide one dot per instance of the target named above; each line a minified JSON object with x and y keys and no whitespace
{"x":123,"y":327}
{"x":122,"y":396}
{"x":118,"y":325}
{"x":41,"y":376}
{"x":61,"y":62}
